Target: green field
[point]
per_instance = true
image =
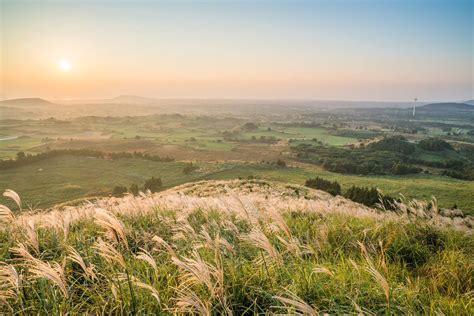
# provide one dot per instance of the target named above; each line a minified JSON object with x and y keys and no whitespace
{"x":61,"y":179}
{"x":301,"y":134}
{"x":321,"y":135}
{"x":194,"y":132}
{"x":10,"y":147}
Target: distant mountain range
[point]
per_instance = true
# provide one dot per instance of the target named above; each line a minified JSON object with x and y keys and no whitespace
{"x":232,"y":103}
{"x":139,"y":100}
{"x":26,"y":102}
{"x":449,"y":106}
{"x":121,"y":99}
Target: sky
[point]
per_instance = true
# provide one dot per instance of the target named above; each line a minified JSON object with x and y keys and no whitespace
{"x":339,"y":50}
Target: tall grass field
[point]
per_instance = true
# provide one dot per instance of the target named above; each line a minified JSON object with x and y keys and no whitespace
{"x":232,"y":248}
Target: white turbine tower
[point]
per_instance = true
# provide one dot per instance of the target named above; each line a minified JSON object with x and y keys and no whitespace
{"x":414,"y":106}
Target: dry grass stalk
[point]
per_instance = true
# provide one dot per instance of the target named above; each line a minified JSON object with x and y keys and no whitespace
{"x":196,"y":271}
{"x":148,"y":258}
{"x":213,"y":243}
{"x":295,"y":305}
{"x":10,"y":282}
{"x":14,"y":196}
{"x":294,"y":247}
{"x":257,"y":238}
{"x":189,"y":302}
{"x":278,"y":220}
{"x":53,"y":272}
{"x":115,"y":229}
{"x":109,"y":253}
{"x":381,"y":281}
{"x":324,"y":270}
{"x":32,"y":236}
{"x":164,"y":244}
{"x":61,"y":222}
{"x":370,"y":267}
{"x":22,"y":251}
{"x":6,"y":216}
{"x":125,"y":278}
{"x":183,"y":231}
{"x":74,"y":256}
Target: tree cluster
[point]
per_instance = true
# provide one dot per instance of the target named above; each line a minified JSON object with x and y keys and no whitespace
{"x":369,"y":196}
{"x":434,"y":144}
{"x":152,"y":184}
{"x":393,"y":143}
{"x":333,"y":188}
{"x":190,"y":167}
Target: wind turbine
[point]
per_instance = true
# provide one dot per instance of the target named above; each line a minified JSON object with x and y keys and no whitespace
{"x":414,"y":106}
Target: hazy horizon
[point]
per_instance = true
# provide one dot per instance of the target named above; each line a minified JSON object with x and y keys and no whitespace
{"x":243,"y":99}
{"x":318,"y":50}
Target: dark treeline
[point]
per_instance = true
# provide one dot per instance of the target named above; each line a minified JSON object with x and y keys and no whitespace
{"x":311,"y":124}
{"x":262,"y":139}
{"x":23,"y":159}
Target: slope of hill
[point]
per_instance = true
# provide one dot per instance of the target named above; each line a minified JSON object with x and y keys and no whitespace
{"x":452,"y":106}
{"x":26,"y":102}
{"x":233,"y":247}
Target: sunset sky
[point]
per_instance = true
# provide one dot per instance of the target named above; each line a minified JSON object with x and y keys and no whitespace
{"x":346,"y":50}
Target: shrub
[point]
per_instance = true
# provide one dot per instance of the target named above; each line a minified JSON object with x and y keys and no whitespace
{"x":189,"y":168}
{"x":20,"y":155}
{"x":134,"y":189}
{"x":333,"y":188}
{"x":119,"y":191}
{"x":249,"y":126}
{"x":280,"y":163}
{"x":369,"y":197}
{"x":394,"y":143}
{"x":153,"y":184}
{"x":401,"y":169}
{"x":434,"y":144}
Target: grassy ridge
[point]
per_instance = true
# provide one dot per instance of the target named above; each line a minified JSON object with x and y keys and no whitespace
{"x":448,"y":191}
{"x":190,"y":255}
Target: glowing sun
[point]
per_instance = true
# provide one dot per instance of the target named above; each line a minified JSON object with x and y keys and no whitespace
{"x":64,"y":65}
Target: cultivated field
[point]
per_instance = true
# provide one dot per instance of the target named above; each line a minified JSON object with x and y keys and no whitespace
{"x":64,"y":179}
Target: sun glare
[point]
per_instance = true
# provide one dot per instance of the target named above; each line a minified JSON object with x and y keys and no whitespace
{"x":64,"y":65}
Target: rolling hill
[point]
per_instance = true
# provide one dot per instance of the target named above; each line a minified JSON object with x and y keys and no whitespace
{"x":446,"y":107}
{"x":26,"y":103}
